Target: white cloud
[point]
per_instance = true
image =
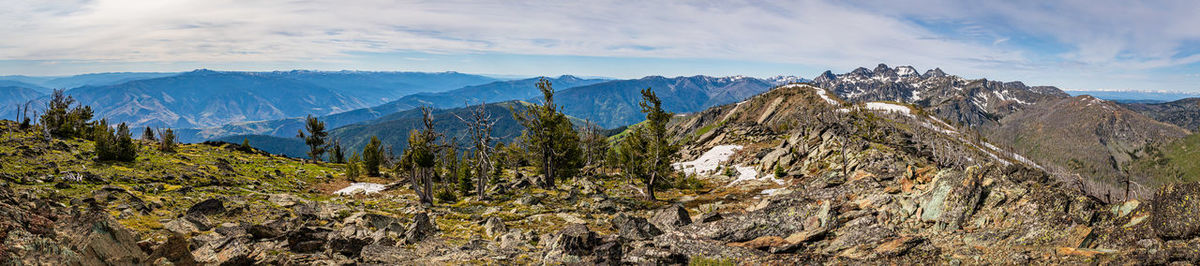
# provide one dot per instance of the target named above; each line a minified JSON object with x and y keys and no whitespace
{"x":826,"y":34}
{"x":807,"y":31}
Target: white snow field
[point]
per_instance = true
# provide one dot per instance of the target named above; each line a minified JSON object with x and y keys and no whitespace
{"x":365,"y":188}
{"x":708,"y":161}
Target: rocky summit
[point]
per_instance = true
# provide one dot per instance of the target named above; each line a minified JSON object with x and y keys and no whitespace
{"x":796,"y":175}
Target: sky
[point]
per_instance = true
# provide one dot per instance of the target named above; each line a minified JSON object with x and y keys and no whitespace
{"x":1075,"y":45}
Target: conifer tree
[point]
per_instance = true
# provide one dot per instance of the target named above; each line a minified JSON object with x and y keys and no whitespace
{"x":126,"y":149}
{"x":551,"y":139}
{"x":64,"y":121}
{"x":335,"y":154}
{"x":315,"y":138}
{"x":166,"y":140}
{"x":419,"y":158}
{"x":352,"y":166}
{"x":648,"y":151}
{"x":246,"y":145}
{"x":372,"y":157}
{"x":148,"y":134}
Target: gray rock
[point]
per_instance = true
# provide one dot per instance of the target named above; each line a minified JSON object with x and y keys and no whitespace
{"x":710,"y":217}
{"x":571,"y":243}
{"x":420,"y":228}
{"x":307,"y":239}
{"x":494,"y":227}
{"x":208,"y":207}
{"x":671,"y":218}
{"x":633,"y":227}
{"x":349,"y":240}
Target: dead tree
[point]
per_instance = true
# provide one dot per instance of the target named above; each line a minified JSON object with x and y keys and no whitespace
{"x":480,"y":124}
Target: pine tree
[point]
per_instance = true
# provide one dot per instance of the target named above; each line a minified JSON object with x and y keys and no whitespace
{"x":352,"y":166}
{"x":113,"y":146}
{"x":335,"y":154}
{"x":465,"y":182}
{"x":126,"y":149}
{"x":372,"y":157}
{"x":315,"y":138}
{"x":648,"y":151}
{"x":419,"y":159}
{"x":64,"y":121}
{"x":148,"y":134}
{"x":246,"y":145}
{"x":550,"y":137}
{"x":102,"y":136}
{"x":166,"y":140}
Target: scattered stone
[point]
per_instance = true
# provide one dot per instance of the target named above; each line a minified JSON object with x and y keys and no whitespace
{"x":420,"y":228}
{"x":710,"y":217}
{"x":207,"y":207}
{"x":574,"y":240}
{"x":307,"y":239}
{"x":633,"y":227}
{"x":763,"y":242}
{"x":494,"y":227}
{"x":671,"y":218}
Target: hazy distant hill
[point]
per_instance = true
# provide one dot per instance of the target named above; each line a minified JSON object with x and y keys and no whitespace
{"x":393,"y":129}
{"x":615,"y":103}
{"x":291,"y":147}
{"x":1184,"y":113}
{"x":492,"y":92}
{"x":209,"y":98}
{"x":11,"y":97}
{"x":1132,"y":96}
{"x":380,"y":87}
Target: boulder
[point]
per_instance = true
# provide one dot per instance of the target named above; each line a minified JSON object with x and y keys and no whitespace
{"x":284,"y":200}
{"x":259,"y":231}
{"x":420,"y":228}
{"x":1174,"y":211}
{"x":307,"y":239}
{"x":188,"y":224}
{"x":710,"y":217}
{"x":494,"y":227}
{"x":350,"y":240}
{"x":174,"y":250}
{"x":633,"y":227}
{"x":571,"y":243}
{"x":208,"y":207}
{"x":671,"y":218}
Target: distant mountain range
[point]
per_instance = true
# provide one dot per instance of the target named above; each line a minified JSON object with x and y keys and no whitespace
{"x":205,"y":98}
{"x":1134,"y":96}
{"x":94,"y":79}
{"x":608,"y":103}
{"x":491,"y":92}
{"x":1184,"y":113}
{"x":615,"y":103}
{"x":1069,"y":136}
{"x":379,"y":87}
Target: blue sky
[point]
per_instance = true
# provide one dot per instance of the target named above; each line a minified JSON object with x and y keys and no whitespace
{"x":1076,"y":45}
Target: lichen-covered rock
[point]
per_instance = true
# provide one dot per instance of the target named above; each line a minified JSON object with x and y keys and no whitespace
{"x":1176,"y":211}
{"x":494,"y":227}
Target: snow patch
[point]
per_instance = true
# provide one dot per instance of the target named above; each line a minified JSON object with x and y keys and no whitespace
{"x":821,"y":92}
{"x":888,"y":107}
{"x":709,"y":161}
{"x":365,"y":188}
